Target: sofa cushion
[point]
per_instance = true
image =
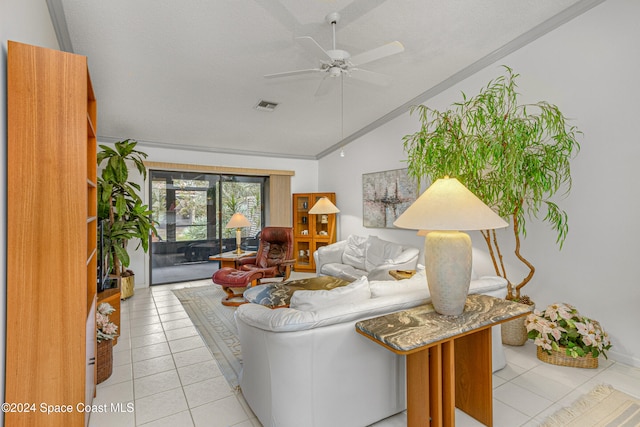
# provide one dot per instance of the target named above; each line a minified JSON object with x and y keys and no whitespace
{"x":342,"y":271}
{"x":383,"y":288}
{"x":315,"y":300}
{"x":290,"y":319}
{"x":354,"y":252}
{"x":379,"y":251}
{"x":485,"y":284}
{"x":417,"y":282}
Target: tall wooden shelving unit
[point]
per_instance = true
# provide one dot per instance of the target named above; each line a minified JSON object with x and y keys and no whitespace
{"x":309,"y":231}
{"x":51,"y":235}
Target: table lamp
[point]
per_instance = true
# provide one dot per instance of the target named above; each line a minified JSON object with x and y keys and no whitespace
{"x":324,"y":207}
{"x":238,"y":221}
{"x":446,"y":209}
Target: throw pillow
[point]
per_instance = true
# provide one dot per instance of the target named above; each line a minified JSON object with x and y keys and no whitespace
{"x":378,"y":251}
{"x":354,"y":252}
{"x":315,"y":300}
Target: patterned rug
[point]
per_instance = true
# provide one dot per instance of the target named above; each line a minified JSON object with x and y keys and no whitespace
{"x":604,"y":406}
{"x":217,"y":327}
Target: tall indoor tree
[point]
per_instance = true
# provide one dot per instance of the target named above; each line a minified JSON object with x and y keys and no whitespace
{"x":514,"y":157}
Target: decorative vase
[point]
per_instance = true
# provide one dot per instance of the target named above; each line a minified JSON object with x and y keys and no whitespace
{"x":514,"y":332}
{"x":560,"y":358}
{"x":448,"y":268}
{"x":104,"y":360}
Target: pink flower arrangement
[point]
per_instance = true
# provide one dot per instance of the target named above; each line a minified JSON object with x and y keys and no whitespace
{"x":560,"y":326}
{"x":106,"y":329}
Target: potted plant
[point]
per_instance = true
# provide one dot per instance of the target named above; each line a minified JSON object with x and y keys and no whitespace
{"x":567,"y":338}
{"x":106,"y":332}
{"x":513,"y":156}
{"x":119,"y":202}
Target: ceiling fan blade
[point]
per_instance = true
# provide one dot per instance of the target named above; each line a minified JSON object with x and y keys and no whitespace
{"x":314,"y":48}
{"x":327,"y":83}
{"x":377,"y":53}
{"x":370,"y":77}
{"x":292,"y":73}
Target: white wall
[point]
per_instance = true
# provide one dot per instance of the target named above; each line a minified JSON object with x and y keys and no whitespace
{"x":304,"y":180}
{"x":25,"y":21}
{"x":589,"y":68}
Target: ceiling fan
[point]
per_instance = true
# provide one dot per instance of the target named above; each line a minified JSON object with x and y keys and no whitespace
{"x":337,"y":62}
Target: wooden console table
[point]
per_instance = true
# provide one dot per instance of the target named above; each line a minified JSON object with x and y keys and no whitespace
{"x":448,"y":358}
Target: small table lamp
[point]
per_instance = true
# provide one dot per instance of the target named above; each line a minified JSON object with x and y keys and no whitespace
{"x":324,"y":207}
{"x":238,"y":221}
{"x":446,"y":208}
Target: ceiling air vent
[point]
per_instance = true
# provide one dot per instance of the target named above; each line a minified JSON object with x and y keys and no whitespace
{"x":266,"y":106}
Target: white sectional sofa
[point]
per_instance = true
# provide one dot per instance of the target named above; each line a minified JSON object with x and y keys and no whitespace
{"x":359,"y":256}
{"x":305,"y":366}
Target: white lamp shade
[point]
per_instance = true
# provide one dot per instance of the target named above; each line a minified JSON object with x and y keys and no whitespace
{"x":323,"y":206}
{"x":237,"y":221}
{"x":449,"y":205}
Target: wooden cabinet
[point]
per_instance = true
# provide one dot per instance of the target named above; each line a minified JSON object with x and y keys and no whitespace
{"x":310,"y":231}
{"x":51,"y":236}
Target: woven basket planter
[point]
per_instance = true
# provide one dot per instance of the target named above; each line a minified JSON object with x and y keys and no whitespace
{"x":559,"y":357}
{"x":514,"y":332}
{"x":104,"y":360}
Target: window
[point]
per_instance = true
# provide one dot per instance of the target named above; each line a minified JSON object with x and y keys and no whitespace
{"x":191,"y":210}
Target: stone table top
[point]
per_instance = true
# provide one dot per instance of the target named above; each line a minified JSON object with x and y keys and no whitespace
{"x":406,"y":331}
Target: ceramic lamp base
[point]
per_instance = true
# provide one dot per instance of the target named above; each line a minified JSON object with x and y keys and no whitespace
{"x":448,"y":267}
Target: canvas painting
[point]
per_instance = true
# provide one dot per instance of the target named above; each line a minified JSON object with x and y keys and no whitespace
{"x":386,"y":195}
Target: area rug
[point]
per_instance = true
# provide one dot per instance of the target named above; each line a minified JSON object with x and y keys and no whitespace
{"x":604,"y":406}
{"x":217,"y":327}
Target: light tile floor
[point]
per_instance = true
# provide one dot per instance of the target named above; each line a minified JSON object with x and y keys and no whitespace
{"x":163,"y":368}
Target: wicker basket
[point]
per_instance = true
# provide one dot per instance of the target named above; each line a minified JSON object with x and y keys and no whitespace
{"x":559,"y":357}
{"x":514,"y":332}
{"x":104,"y":360}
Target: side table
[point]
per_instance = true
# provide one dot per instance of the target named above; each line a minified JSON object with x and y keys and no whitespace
{"x":448,"y":358}
{"x":401,"y":274}
{"x":228,"y":259}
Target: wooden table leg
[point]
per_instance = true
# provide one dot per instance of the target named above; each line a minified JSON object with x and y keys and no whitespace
{"x":449,"y":392}
{"x":473,"y":375}
{"x":448,"y":375}
{"x":431,"y":386}
{"x":225,"y":263}
{"x":435,"y":385}
{"x":418,"y":389}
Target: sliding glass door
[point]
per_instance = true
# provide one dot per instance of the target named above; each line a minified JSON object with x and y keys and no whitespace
{"x":191,"y":210}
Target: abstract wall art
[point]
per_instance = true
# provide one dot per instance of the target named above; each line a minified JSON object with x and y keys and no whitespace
{"x":386,"y":195}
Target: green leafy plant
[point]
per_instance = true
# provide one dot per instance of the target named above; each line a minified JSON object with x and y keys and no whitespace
{"x":119,"y":202}
{"x":514,"y":157}
{"x":562,"y":328}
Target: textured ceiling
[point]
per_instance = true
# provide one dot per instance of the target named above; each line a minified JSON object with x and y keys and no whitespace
{"x":187,"y":74}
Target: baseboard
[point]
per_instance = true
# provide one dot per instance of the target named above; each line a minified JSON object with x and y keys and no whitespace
{"x":624,"y":358}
